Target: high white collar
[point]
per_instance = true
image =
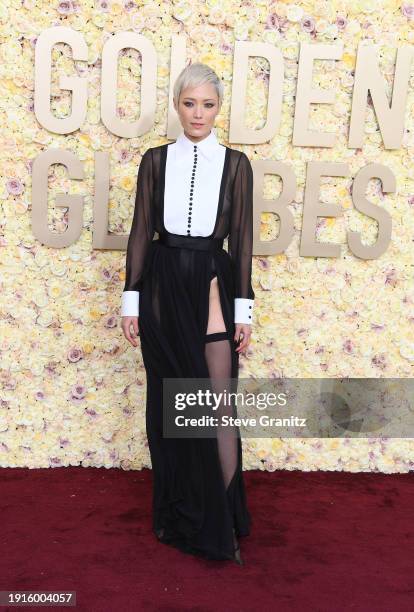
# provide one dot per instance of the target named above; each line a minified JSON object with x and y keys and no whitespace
{"x":208,"y":145}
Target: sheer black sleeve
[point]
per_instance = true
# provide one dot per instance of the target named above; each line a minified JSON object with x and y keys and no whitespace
{"x":240,"y":241}
{"x":140,"y":237}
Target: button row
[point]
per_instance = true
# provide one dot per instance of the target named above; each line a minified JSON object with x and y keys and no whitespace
{"x":191,"y":191}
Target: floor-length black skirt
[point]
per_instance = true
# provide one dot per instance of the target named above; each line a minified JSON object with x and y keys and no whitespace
{"x":192,"y":508}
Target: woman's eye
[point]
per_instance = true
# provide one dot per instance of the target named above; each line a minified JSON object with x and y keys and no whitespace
{"x":209,"y":104}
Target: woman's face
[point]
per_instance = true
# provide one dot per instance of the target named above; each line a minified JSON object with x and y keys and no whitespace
{"x":197,"y":109}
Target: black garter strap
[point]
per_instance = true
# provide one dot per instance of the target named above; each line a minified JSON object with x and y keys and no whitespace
{"x":217,"y":336}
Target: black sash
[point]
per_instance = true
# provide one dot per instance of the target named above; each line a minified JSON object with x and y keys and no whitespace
{"x":199,"y":243}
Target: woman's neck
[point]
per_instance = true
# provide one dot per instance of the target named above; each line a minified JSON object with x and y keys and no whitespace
{"x":195,"y":138}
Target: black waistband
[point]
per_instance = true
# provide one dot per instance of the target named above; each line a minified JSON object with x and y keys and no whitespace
{"x":199,"y":243}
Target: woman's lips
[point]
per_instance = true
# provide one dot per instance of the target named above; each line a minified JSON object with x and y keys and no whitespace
{"x":197,"y":124}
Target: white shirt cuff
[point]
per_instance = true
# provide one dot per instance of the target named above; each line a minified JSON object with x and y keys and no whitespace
{"x":243,"y":310}
{"x":130,"y":304}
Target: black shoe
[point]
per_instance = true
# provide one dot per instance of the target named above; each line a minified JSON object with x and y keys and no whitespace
{"x":160,"y":533}
{"x":237,"y":556}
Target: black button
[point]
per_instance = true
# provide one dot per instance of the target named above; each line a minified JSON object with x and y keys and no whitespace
{"x":249,"y":306}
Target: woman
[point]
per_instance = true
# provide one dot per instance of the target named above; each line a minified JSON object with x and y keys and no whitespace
{"x":195,"y":301}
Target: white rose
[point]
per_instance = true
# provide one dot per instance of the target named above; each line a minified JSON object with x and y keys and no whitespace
{"x":294,"y":13}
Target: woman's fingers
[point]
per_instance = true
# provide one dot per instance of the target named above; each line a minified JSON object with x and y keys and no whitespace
{"x":237,"y":332}
{"x":127,"y":324}
{"x":243,"y":344}
{"x":245,"y":331}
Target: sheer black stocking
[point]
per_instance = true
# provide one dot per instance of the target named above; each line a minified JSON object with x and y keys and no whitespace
{"x":218,"y":356}
{"x":218,"y":347}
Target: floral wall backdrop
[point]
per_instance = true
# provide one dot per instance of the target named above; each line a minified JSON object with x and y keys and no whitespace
{"x":72,"y":388}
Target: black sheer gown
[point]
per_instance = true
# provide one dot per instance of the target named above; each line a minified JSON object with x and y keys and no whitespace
{"x":199,"y":499}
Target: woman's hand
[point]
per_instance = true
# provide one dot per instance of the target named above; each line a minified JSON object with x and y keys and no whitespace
{"x":126,"y":324}
{"x":244,"y":329}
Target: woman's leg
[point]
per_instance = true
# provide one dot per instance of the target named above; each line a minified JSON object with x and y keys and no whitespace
{"x":218,"y":349}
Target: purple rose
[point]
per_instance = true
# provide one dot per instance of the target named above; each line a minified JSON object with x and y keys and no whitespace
{"x":408,"y":11}
{"x":308,"y":24}
{"x":348,"y":347}
{"x":341,"y":22}
{"x":111,"y":322}
{"x":129,"y":5}
{"x":65,"y":7}
{"x":272,"y":22}
{"x":78,"y":391}
{"x":75,"y":354}
{"x":226,"y":48}
{"x":125,"y":156}
{"x":14,"y":186}
{"x":379,"y":361}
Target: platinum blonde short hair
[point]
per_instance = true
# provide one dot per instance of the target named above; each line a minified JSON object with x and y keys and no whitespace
{"x":196,"y":74}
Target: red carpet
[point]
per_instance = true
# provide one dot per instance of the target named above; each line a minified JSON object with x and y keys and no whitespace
{"x":322,"y":541}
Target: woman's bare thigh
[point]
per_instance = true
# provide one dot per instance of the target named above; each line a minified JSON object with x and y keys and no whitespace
{"x":215,"y":316}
